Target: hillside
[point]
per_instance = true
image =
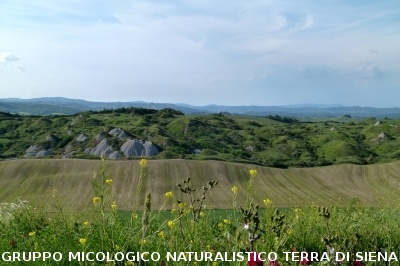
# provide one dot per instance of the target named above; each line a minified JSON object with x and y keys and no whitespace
{"x":128,"y":133}
{"x":60,"y":105}
{"x":35,"y":181}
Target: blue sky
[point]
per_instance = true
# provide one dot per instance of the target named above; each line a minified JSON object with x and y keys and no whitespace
{"x":270,"y":52}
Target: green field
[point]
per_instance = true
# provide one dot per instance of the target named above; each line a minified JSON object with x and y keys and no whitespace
{"x":35,"y":181}
{"x":348,"y":208}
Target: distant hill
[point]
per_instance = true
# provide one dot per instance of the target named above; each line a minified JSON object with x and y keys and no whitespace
{"x":59,"y":105}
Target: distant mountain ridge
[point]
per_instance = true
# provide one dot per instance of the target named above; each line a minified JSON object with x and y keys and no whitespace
{"x":60,"y":105}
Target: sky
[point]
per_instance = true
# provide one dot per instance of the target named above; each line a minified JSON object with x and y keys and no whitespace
{"x":252,"y":52}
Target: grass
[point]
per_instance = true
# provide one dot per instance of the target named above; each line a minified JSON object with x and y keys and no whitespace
{"x":183,"y":222}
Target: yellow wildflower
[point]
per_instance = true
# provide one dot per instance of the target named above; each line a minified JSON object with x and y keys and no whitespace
{"x":171,"y":223}
{"x":142,"y":241}
{"x":143,"y":162}
{"x":220,"y":225}
{"x":114,"y":206}
{"x":161,"y":234}
{"x":86,"y":224}
{"x":202,"y":214}
{"x":134,"y":216}
{"x":109,"y":182}
{"x":82,"y":241}
{"x":235,"y":190}
{"x":168,"y":195}
{"x":226,"y":221}
{"x":173,"y":210}
{"x":267,"y":202}
{"x":253,"y":172}
{"x":32,"y":234}
{"x":96,"y":200}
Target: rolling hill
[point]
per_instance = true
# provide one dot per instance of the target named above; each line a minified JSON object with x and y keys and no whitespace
{"x":128,"y":133}
{"x":35,"y":181}
{"x":60,"y":105}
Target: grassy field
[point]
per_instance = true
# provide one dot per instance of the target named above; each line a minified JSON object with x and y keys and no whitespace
{"x":36,"y":180}
{"x":170,"y":222}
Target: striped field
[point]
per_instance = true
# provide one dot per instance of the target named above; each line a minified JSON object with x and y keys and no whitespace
{"x":35,"y":181}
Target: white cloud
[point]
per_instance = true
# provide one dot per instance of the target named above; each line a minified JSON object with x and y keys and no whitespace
{"x":20,"y":67}
{"x":368,"y":71}
{"x":191,"y":50}
{"x":315,"y":72}
{"x":367,"y":74}
{"x":259,"y":46}
{"x":308,"y":23}
{"x":6,"y":57}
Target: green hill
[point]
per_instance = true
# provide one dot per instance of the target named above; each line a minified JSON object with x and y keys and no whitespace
{"x":35,"y":181}
{"x":168,"y":134}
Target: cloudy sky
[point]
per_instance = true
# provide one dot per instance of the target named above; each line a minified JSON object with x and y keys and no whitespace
{"x":270,"y":52}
